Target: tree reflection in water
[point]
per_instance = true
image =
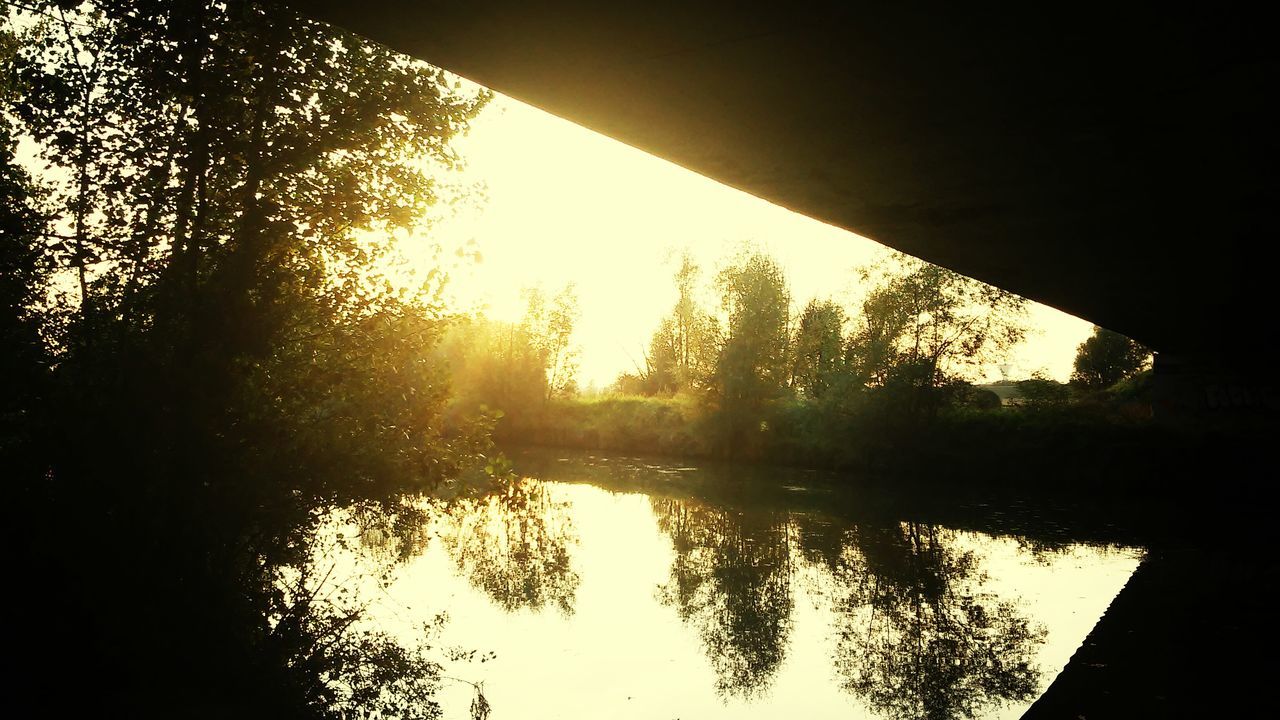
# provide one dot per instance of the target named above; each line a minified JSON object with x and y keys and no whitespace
{"x":731,"y":578}
{"x":513,"y":544}
{"x":393,"y":533}
{"x":915,"y":636}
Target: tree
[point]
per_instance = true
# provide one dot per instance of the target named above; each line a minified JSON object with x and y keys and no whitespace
{"x":216,"y":162}
{"x":496,"y":365}
{"x":682,"y":351}
{"x":1040,"y":392}
{"x":932,"y":324}
{"x":754,"y":366}
{"x":550,"y":330}
{"x":682,"y":360}
{"x":23,"y":273}
{"x":513,"y":367}
{"x":819,"y":348}
{"x":1105,"y":358}
{"x":233,"y":360}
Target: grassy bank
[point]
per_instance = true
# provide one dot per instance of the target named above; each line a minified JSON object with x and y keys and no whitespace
{"x":1093,"y":448}
{"x":674,"y":426}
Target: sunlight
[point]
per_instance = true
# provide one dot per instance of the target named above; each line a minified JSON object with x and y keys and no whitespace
{"x":397,"y":401}
{"x":562,"y":204}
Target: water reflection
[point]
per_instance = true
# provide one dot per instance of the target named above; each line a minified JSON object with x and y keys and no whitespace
{"x":392,"y":533}
{"x":514,"y":545}
{"x":683,"y":595}
{"x":917,"y":638}
{"x":731,"y":579}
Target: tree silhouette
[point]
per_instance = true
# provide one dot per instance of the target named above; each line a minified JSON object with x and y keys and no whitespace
{"x":225,"y":355}
{"x":754,"y":366}
{"x":819,"y":348}
{"x":1105,"y":358}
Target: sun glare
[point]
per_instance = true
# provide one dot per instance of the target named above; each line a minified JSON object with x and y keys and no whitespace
{"x":562,"y":204}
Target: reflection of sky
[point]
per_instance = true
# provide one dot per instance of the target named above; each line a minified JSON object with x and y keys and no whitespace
{"x":567,"y":205}
{"x":624,"y":654}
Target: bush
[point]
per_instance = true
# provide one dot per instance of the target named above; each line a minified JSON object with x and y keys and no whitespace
{"x":1040,"y":392}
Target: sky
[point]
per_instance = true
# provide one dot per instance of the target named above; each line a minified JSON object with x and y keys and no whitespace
{"x":548,"y":203}
{"x":562,"y":204}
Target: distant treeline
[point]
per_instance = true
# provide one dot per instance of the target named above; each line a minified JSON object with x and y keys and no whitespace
{"x":750,"y":379}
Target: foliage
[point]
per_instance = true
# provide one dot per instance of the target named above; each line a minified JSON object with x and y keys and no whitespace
{"x":225,"y":354}
{"x":494,"y":364}
{"x":23,"y":272}
{"x":753,"y":368}
{"x":514,"y":368}
{"x":814,"y":393}
{"x":1105,"y":358}
{"x":754,"y":295}
{"x":1135,"y":388}
{"x":933,"y":320}
{"x":1039,"y":392}
{"x":978,"y":398}
{"x":549,"y":328}
{"x":674,"y":425}
{"x":683,"y":350}
{"x":819,"y":348}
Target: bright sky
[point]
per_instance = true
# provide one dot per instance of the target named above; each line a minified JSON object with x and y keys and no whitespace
{"x":565,"y":204}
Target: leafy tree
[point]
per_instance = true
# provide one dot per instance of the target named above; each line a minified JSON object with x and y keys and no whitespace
{"x":1105,"y":358}
{"x":1039,"y":391}
{"x":979,"y":398}
{"x":549,"y":327}
{"x":682,"y":352}
{"x":632,"y":383}
{"x":662,"y":371}
{"x":933,"y":324}
{"x":217,"y":161}
{"x":494,"y":364}
{"x":514,"y":368}
{"x":754,"y":365}
{"x":23,"y":273}
{"x":682,"y":359}
{"x":819,"y":348}
{"x":233,"y":360}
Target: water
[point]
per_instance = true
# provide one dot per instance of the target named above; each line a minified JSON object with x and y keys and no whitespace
{"x":625,"y":588}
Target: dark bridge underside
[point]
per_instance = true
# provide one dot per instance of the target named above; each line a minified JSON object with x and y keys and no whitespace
{"x":1117,"y":163}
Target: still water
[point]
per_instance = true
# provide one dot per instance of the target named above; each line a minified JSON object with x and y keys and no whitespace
{"x":628,"y":588}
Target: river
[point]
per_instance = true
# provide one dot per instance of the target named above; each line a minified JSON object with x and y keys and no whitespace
{"x":637,"y":588}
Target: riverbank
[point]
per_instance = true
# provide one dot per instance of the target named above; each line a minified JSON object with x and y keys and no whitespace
{"x":1084,"y":456}
{"x":804,"y":433}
